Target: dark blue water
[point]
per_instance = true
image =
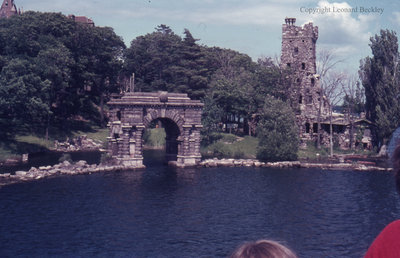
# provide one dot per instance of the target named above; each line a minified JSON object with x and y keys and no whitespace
{"x":164,"y":212}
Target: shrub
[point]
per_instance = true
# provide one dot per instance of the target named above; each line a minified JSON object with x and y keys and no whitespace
{"x":277,"y":132}
{"x":221,"y":150}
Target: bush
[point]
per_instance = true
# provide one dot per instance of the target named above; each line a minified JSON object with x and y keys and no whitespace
{"x":220,"y":150}
{"x":211,"y":138}
{"x":277,"y":132}
{"x":229,"y":138}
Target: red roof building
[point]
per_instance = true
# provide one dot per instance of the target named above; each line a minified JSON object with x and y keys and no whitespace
{"x":81,"y":20}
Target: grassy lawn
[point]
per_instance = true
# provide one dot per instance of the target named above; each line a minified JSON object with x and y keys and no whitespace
{"x":225,"y":145}
{"x":218,"y":145}
{"x":312,"y":152}
{"x":154,"y":138}
{"x":97,"y":133}
{"x":29,"y":143}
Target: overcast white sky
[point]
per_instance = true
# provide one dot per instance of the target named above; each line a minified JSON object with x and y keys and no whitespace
{"x":248,"y":26}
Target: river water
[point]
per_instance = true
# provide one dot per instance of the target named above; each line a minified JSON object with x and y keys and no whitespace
{"x":204,"y":212}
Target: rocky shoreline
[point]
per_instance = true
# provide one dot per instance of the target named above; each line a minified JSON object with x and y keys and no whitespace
{"x":64,"y":168}
{"x":357,"y":166}
{"x":79,"y":143}
{"x":82,"y":167}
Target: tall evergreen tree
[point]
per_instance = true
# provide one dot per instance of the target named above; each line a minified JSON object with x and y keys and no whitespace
{"x":380,"y":75}
{"x":164,"y":61}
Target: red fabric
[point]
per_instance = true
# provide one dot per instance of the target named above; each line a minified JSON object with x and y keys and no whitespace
{"x":387,"y":243}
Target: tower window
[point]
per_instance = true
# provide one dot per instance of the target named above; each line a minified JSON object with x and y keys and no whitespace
{"x":303,"y":66}
{"x":309,"y":99}
{"x":298,"y":80}
{"x":296,"y":50}
{"x":312,"y":81}
{"x":288,"y":65}
{"x":300,"y":99}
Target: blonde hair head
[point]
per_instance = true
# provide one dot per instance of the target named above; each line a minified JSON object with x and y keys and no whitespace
{"x":263,"y":249}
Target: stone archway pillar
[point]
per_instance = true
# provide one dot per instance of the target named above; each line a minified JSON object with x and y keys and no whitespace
{"x":189,"y":153}
{"x":130,"y":146}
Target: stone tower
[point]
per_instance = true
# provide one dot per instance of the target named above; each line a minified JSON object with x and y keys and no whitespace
{"x":299,"y":56}
{"x":8,"y":9}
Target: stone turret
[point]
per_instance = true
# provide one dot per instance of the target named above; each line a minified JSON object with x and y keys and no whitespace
{"x":299,"y":56}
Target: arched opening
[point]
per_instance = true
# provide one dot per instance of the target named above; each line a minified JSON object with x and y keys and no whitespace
{"x":161,"y":141}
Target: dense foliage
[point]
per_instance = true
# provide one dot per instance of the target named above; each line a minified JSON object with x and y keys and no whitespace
{"x":163,"y":61}
{"x":380,"y":75}
{"x":53,"y":69}
{"x":277,"y":133}
{"x":230,"y":84}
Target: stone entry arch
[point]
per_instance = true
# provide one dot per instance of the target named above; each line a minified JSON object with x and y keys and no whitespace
{"x":132,"y":113}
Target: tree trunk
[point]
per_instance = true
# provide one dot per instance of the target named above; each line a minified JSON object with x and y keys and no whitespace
{"x":47,"y":132}
{"x":319,"y":122}
{"x":351,"y":133}
{"x":331,"y":133}
{"x":102,"y":109}
{"x":47,"y":127}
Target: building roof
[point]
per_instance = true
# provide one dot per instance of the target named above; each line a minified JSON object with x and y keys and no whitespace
{"x":81,"y":19}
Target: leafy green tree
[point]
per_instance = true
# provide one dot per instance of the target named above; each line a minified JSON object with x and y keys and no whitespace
{"x":62,"y":69}
{"x":380,"y":75}
{"x":232,"y":85}
{"x":277,"y":133}
{"x":153,"y":58}
{"x":98,"y":52}
{"x":24,"y":97}
{"x":164,"y":61}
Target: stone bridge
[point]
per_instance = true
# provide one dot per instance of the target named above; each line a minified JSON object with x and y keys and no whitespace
{"x":133,"y":112}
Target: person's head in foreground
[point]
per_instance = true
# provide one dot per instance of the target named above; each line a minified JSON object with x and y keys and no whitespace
{"x":263,"y":249}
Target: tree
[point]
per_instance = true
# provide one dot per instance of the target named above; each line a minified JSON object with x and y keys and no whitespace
{"x":327,"y":61}
{"x":23,"y":97}
{"x":154,"y":58}
{"x":380,"y":78}
{"x":164,"y":61}
{"x":353,"y":102}
{"x":53,"y":65}
{"x":333,"y":91}
{"x":60,"y":68}
{"x":99,"y":52}
{"x":277,"y":133}
{"x":232,"y":86}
